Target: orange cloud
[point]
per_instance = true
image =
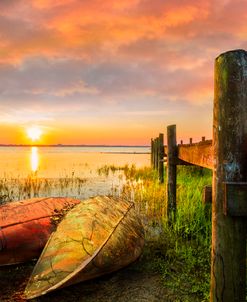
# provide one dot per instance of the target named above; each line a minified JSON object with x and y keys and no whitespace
{"x":71,"y":26}
{"x":96,"y":60}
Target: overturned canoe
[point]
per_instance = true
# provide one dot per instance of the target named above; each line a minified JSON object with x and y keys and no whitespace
{"x":26,"y":225}
{"x":98,"y":236}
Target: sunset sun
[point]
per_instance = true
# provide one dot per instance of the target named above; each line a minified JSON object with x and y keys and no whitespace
{"x":34,"y":133}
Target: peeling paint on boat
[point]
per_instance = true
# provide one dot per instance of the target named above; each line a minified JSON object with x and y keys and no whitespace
{"x":26,"y":225}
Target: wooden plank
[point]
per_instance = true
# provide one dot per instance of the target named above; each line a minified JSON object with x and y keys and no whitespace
{"x":200,"y":154}
{"x":228,"y":257}
{"x":235,"y":202}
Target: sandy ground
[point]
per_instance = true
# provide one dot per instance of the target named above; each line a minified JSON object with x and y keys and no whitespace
{"x":131,"y":284}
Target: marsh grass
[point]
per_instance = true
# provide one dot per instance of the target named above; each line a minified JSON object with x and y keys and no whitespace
{"x":32,"y":186}
{"x":107,"y":169}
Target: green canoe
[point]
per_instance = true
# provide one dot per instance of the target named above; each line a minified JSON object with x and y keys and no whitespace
{"x":98,"y":236}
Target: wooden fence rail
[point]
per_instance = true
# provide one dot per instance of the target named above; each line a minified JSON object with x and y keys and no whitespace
{"x":226,"y":155}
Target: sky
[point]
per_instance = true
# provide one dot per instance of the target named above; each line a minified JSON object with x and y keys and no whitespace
{"x":112,"y":72}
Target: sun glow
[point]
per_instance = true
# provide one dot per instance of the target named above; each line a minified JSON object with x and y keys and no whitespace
{"x":34,"y":133}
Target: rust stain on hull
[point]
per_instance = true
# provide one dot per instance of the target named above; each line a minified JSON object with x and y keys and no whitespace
{"x":98,"y":236}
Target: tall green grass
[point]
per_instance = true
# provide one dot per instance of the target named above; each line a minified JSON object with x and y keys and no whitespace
{"x":181,"y":251}
{"x":189,"y":274}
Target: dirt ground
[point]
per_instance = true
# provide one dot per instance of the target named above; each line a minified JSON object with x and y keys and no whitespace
{"x":134,"y":283}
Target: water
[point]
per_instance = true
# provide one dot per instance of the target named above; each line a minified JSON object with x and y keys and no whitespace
{"x":65,"y":171}
{"x":63,"y":161}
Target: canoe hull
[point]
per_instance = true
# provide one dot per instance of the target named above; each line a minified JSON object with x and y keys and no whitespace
{"x":26,"y":225}
{"x":124,"y":248}
{"x":96,"y":237}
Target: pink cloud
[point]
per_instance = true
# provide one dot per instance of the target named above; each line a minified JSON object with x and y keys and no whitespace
{"x":78,"y":28}
{"x":123,"y":55}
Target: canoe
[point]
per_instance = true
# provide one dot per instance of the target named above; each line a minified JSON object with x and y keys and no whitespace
{"x":26,"y":225}
{"x":96,"y":237}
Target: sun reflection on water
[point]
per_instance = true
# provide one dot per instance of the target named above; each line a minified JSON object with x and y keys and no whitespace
{"x":34,"y":160}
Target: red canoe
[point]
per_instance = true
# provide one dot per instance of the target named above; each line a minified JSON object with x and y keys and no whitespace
{"x":26,"y":225}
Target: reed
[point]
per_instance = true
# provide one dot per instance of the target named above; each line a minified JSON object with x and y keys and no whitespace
{"x":107,"y":169}
{"x":32,"y":186}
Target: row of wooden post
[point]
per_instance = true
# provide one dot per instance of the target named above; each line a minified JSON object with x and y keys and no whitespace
{"x":191,"y":140}
{"x":229,"y":191}
{"x":157,"y":155}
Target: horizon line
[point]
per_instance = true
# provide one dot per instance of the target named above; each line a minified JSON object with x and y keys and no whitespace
{"x":69,"y":145}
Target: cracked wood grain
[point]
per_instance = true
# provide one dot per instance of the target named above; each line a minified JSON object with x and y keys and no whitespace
{"x":228,"y":266}
{"x":98,"y":236}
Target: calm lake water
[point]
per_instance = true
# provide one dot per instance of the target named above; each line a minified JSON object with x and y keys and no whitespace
{"x":53,"y":162}
{"x":65,"y":171}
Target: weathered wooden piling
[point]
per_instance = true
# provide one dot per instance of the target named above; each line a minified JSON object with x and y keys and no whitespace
{"x":152,"y":153}
{"x":161,"y":158}
{"x":207,"y":195}
{"x":171,"y":172}
{"x":228,"y":266}
{"x":156,"y":153}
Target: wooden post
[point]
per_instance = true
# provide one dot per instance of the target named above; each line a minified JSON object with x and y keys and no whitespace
{"x":171,"y":172}
{"x":191,"y":141}
{"x":161,"y":157}
{"x":152,"y":153}
{"x":155,"y":153}
{"x":228,"y":261}
{"x":181,"y":142}
{"x":203,"y":139}
{"x":207,"y":195}
{"x":207,"y":201}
